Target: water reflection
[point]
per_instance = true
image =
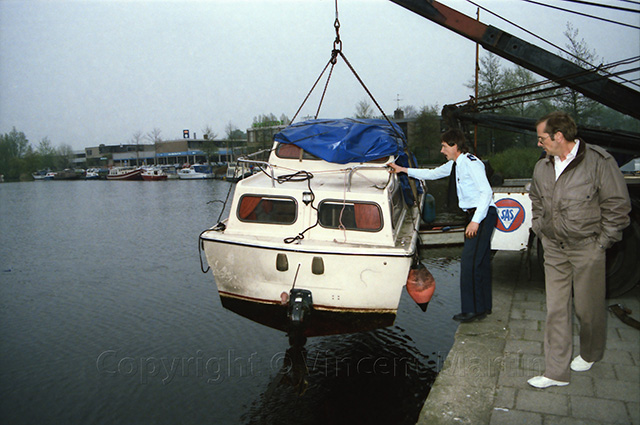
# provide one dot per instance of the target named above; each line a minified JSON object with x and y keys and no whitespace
{"x":370,"y":377}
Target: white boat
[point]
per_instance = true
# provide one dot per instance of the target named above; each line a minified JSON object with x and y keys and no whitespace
{"x":153,"y":174}
{"x":92,"y":174}
{"x":39,"y":175}
{"x":170,"y":171}
{"x":125,"y":173}
{"x":196,"y":172}
{"x":321,"y":245}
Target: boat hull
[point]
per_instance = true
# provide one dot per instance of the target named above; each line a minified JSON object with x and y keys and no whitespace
{"x":153,"y":177}
{"x":353,"y":290}
{"x":130,"y":175}
{"x":195,"y":176}
{"x":320,"y":322}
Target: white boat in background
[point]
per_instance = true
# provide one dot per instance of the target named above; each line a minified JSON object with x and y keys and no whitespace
{"x":153,"y":174}
{"x":323,"y":240}
{"x":196,"y":172}
{"x":170,"y":171}
{"x":92,"y":174}
{"x":125,"y":173}
{"x":39,"y":175}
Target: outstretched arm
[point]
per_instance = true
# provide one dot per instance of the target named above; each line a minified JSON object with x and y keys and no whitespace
{"x":395,"y":168}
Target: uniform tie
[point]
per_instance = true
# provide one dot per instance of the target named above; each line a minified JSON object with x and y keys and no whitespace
{"x":452,"y":195}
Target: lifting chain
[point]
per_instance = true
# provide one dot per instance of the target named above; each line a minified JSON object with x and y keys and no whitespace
{"x":335,"y":52}
{"x":337,"y":43}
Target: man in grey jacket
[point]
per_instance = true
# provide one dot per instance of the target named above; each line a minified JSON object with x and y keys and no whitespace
{"x":580,"y":206}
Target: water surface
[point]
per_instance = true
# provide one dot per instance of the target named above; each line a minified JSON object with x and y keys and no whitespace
{"x":105,"y":317}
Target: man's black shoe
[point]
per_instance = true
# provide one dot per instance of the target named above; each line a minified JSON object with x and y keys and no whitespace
{"x":469,"y":317}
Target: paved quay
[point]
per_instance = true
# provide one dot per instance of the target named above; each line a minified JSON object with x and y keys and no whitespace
{"x":484,"y":377}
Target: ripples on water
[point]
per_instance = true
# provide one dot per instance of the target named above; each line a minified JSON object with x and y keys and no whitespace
{"x":105,"y":317}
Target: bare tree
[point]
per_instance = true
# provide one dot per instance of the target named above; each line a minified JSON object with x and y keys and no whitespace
{"x":363,"y":109}
{"x":154,"y":137}
{"x":579,"y":106}
{"x":209,"y":145}
{"x":65,"y":156}
{"x":135,"y":140}
{"x":208,"y":133}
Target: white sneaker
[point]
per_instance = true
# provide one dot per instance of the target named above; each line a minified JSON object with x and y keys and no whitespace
{"x":580,"y":365}
{"x":544,"y":382}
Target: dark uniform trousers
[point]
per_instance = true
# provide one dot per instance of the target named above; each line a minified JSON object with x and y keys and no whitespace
{"x":475,"y":276}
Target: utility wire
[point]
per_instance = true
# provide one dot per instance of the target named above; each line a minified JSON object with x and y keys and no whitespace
{"x":583,"y":14}
{"x":489,"y":101}
{"x":630,"y":1}
{"x":589,"y":3}
{"x":535,"y":35}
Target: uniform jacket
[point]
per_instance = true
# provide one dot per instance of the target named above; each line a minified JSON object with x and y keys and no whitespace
{"x":589,"y":201}
{"x":472,"y":186}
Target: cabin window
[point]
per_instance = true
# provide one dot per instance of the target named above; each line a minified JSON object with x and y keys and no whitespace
{"x":350,"y":215}
{"x":291,"y":151}
{"x":267,"y":209}
{"x":382,"y":160}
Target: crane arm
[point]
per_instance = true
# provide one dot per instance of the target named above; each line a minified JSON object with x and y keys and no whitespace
{"x":566,"y":73}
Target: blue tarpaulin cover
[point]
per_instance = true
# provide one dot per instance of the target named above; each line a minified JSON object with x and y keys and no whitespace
{"x":346,"y":140}
{"x":351,"y":140}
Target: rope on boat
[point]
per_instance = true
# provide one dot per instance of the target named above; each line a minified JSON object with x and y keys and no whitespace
{"x":200,"y":247}
{"x":299,"y":177}
{"x":218,"y":226}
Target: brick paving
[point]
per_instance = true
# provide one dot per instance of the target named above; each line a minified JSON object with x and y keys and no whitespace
{"x":484,"y":377}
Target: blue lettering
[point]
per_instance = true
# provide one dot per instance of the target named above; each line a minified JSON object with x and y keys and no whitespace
{"x":507,"y":215}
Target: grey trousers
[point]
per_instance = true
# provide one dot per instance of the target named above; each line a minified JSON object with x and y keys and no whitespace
{"x":579,"y":267}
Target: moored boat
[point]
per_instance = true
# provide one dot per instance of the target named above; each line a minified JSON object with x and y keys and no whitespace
{"x":68,"y":174}
{"x":153,"y":174}
{"x":321,"y":241}
{"x":40,"y":175}
{"x":124,"y":173}
{"x":92,"y":174}
{"x":196,"y":172}
{"x":170,"y":171}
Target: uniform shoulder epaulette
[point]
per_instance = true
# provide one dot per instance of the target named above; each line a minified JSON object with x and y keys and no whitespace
{"x":471,"y":157}
{"x":599,"y":150}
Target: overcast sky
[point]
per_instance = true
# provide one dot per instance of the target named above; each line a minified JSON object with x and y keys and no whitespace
{"x":86,"y":72}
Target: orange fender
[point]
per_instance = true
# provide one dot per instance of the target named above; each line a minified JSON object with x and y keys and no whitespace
{"x":421,"y":285}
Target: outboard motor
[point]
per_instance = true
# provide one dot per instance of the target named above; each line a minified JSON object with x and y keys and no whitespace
{"x":300,"y":304}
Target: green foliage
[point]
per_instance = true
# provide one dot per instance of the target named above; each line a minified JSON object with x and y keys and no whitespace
{"x":18,"y":159}
{"x":14,"y":147}
{"x":425,"y":136}
{"x":515,"y":163}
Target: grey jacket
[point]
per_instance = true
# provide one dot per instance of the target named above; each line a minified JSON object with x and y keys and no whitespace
{"x":589,"y":201}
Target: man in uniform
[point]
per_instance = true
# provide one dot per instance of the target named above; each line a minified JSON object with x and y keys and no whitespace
{"x":580,"y":205}
{"x":475,"y":197}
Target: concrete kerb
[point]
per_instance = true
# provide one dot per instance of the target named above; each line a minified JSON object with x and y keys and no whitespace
{"x":466,"y":388}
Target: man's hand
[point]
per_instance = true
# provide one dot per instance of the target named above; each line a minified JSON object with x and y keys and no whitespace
{"x":396,"y":168}
{"x":472,"y":230}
